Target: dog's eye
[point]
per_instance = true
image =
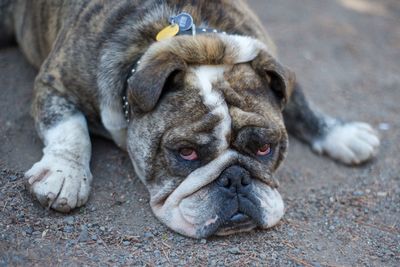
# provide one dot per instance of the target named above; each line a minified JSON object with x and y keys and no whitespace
{"x":188,"y":154}
{"x":264,"y":150}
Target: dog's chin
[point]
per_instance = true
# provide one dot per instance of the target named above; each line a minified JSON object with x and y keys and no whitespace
{"x":237,"y":223}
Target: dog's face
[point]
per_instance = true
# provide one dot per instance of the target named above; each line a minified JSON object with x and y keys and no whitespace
{"x":207,"y":133}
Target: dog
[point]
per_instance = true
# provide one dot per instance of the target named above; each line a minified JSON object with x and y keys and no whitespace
{"x":192,"y":90}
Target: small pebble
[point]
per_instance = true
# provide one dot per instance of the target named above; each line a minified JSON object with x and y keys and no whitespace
{"x":384,"y":126}
{"x":203,"y":241}
{"x":358,"y":193}
{"x":29,"y":230}
{"x":69,"y":220}
{"x":126,"y":243}
{"x":381,"y":194}
{"x":148,"y":235}
{"x":84,"y":235}
{"x":68,"y":229}
{"x":157,"y":253}
{"x":234,"y":250}
{"x":12,"y":178}
{"x":37,"y":233}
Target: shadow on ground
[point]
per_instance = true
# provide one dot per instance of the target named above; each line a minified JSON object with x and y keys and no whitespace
{"x":346,"y":53}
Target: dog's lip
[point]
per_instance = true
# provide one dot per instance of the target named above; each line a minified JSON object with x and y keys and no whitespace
{"x":238,"y":222}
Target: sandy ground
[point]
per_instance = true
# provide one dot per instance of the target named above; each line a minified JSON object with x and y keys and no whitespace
{"x":346,"y":53}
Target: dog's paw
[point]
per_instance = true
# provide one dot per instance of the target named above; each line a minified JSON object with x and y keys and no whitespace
{"x":60,"y":184}
{"x":350,"y":143}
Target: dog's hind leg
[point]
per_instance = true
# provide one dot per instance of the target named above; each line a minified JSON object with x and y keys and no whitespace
{"x":61,"y":179}
{"x":347,"y":142}
{"x":6,"y":22}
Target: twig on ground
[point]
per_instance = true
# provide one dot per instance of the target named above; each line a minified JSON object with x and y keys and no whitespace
{"x":300,"y":261}
{"x":383,"y":228}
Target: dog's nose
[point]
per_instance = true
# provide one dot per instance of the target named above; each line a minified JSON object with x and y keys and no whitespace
{"x":234,"y":178}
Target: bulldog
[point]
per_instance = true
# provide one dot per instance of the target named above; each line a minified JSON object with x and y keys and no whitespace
{"x":192,"y":90}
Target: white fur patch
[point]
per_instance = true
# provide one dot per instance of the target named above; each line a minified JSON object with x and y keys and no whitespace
{"x":215,"y":101}
{"x":61,"y":179}
{"x":271,"y":204}
{"x":244,"y":48}
{"x":115,"y":123}
{"x":351,"y":143}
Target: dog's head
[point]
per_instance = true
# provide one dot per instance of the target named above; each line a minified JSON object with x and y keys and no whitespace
{"x":206,"y":132}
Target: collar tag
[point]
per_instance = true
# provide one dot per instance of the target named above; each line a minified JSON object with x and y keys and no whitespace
{"x":168,"y":32}
{"x":184,"y":21}
{"x":181,"y":23}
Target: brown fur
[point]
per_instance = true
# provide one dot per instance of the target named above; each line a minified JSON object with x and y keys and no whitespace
{"x":163,"y":58}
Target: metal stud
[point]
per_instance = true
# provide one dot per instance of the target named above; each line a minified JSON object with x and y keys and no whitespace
{"x":203,"y":30}
{"x":215,"y":31}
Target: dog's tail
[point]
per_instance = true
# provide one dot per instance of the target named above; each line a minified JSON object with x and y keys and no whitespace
{"x":6,"y":22}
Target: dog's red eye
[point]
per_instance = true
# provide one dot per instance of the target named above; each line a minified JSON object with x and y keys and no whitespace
{"x":264,"y":150}
{"x":188,"y":154}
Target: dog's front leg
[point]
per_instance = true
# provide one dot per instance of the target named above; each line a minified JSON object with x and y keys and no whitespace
{"x":61,"y":179}
{"x":347,"y":142}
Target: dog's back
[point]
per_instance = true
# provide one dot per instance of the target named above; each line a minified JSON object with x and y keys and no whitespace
{"x":35,"y":24}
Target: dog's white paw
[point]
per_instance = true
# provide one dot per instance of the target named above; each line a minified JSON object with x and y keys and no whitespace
{"x":350,"y":143}
{"x":60,"y":184}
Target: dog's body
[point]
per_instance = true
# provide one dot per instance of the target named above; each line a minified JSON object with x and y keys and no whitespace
{"x":204,"y":127}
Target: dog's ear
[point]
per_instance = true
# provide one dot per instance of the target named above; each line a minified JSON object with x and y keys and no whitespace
{"x":146,"y":84}
{"x":281,"y":80}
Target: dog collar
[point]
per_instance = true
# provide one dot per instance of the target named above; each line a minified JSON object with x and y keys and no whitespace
{"x":182,"y":24}
{"x":125,"y":103}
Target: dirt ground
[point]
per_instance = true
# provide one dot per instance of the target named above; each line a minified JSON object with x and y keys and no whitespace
{"x":346,"y":53}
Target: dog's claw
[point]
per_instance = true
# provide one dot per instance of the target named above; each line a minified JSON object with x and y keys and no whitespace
{"x":62,"y":205}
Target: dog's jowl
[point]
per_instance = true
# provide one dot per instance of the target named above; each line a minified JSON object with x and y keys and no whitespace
{"x":193,"y":90}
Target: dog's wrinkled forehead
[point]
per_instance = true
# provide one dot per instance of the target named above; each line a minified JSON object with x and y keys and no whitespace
{"x":185,"y":53}
{"x":236,"y":95}
{"x":206,"y":80}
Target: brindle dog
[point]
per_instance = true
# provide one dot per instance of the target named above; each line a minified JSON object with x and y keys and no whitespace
{"x":204,"y":117}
